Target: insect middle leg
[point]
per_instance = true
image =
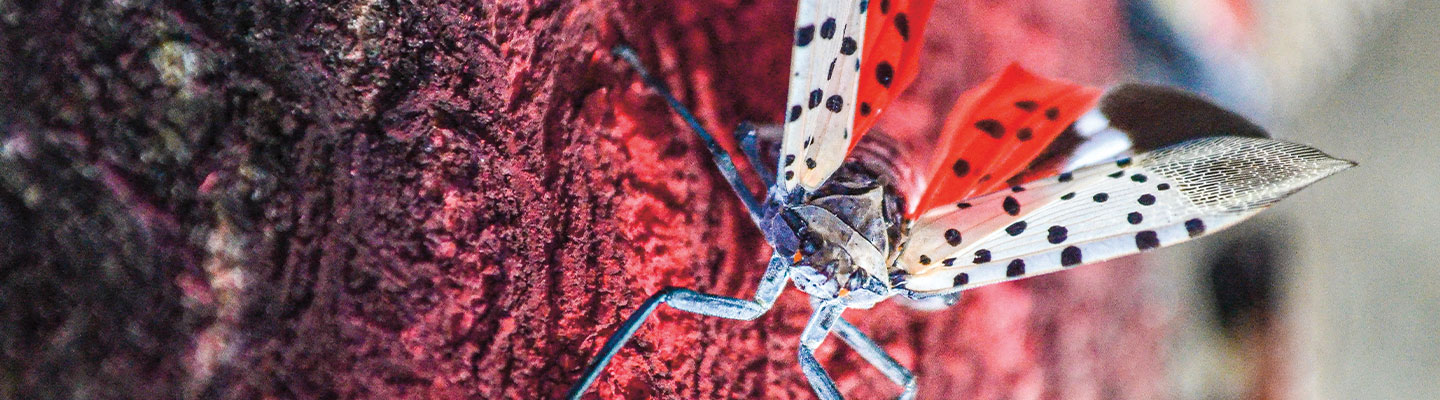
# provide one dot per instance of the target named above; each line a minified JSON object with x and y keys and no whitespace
{"x":827,"y":318}
{"x":824,"y":318}
{"x":717,"y":153}
{"x":876,"y":356}
{"x":682,"y":299}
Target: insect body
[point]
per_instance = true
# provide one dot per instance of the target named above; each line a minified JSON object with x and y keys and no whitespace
{"x":1029,"y":176}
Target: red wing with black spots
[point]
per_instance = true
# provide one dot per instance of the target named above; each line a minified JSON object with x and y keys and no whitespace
{"x":894,"y":32}
{"x":995,"y":131}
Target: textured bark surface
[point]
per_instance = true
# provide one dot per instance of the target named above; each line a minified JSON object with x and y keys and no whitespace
{"x":463,"y":199}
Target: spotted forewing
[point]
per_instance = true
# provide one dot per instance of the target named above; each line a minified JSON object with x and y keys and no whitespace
{"x":994,"y":205}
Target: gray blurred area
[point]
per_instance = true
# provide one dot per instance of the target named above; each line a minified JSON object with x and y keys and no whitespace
{"x":1359,"y":253}
{"x":1364,"y":294}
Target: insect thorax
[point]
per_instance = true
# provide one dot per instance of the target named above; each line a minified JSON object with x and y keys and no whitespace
{"x":842,"y":237}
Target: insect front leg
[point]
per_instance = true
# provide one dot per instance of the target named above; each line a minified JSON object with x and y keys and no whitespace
{"x":876,"y":356}
{"x":682,"y":299}
{"x":717,"y":153}
{"x":825,"y":316}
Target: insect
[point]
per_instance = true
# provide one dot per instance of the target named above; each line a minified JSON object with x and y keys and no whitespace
{"x":1029,"y":176}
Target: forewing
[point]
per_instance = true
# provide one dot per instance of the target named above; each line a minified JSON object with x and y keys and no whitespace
{"x":1105,"y":211}
{"x":821,"y":104}
{"x":995,"y":132}
{"x":894,"y":31}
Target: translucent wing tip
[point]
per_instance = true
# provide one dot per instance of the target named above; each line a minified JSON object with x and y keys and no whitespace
{"x":1335,"y":165}
{"x":1242,"y":173}
{"x":1319,"y":164}
{"x":1328,"y":166}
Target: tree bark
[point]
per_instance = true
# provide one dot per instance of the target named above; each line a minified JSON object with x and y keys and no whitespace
{"x":441,"y":199}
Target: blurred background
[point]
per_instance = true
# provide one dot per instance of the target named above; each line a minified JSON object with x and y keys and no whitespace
{"x":1335,"y":294}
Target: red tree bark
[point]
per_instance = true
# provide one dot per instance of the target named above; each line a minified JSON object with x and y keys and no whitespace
{"x":459,"y":199}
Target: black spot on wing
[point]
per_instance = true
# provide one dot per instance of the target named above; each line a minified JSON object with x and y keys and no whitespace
{"x":1011,"y":206}
{"x":1016,"y":268}
{"x":1147,"y":240}
{"x":1057,"y":234}
{"x":960,"y":168}
{"x":1070,"y":257}
{"x":902,"y":24}
{"x":1195,"y":227}
{"x":804,"y":35}
{"x":952,"y":236}
{"x":961,"y":279}
{"x":834,"y":103}
{"x":884,"y":73}
{"x":827,"y":29}
{"x":1015,"y":229}
{"x":982,"y":256}
{"x":991,"y":127}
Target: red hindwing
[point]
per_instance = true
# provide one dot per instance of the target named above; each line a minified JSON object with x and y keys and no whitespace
{"x":995,"y":131}
{"x":894,"y":31}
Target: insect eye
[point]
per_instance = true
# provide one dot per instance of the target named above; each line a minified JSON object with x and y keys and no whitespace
{"x":812,"y":245}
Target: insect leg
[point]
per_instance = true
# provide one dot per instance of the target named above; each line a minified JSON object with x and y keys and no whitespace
{"x":689,"y":300}
{"x":720,"y":156}
{"x":749,"y":141}
{"x":824,"y":318}
{"x":875,"y":355}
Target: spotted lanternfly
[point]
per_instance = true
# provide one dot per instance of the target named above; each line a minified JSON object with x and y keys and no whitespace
{"x":1031,"y":176}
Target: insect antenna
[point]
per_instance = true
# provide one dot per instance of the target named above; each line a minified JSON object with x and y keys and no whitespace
{"x":718,"y":154}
